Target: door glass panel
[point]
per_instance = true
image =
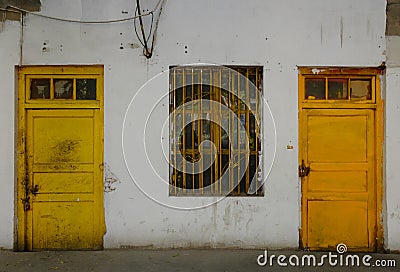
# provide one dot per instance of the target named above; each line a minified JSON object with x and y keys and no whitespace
{"x":337,"y":88}
{"x":86,"y":89}
{"x":63,"y":88}
{"x":315,"y":88}
{"x":360,"y":89}
{"x":40,"y":88}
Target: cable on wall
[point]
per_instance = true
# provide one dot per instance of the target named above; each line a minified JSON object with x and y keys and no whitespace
{"x":145,"y":41}
{"x":148,"y":47}
{"x":146,"y":50}
{"x":13,"y":8}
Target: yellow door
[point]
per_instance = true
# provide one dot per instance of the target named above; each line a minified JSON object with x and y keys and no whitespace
{"x":339,"y":191}
{"x":63,"y":167}
{"x":60,"y":172}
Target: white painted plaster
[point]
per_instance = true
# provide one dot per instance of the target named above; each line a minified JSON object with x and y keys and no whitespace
{"x":9,"y":56}
{"x":393,"y":51}
{"x":392,"y":158}
{"x":279,"y":35}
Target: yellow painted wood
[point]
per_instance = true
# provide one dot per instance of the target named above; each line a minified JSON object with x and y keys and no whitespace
{"x":341,"y":141}
{"x":335,"y":71}
{"x":20,"y":215}
{"x":63,"y":225}
{"x":379,"y":129}
{"x":60,"y":147}
{"x":64,"y":182}
{"x":323,"y":180}
{"x":335,"y":138}
{"x":338,"y":105}
{"x":333,"y":222}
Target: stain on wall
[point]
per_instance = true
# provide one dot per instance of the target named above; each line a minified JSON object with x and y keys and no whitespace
{"x":109,"y":179}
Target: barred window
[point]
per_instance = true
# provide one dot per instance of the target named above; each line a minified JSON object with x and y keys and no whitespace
{"x":215,"y":143}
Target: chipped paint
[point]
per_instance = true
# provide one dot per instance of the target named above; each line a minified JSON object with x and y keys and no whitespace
{"x":316,"y":71}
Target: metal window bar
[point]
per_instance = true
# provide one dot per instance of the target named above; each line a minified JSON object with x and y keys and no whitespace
{"x":183,"y":132}
{"x":248,"y":128}
{"x":238,"y":96}
{"x":201,"y":170}
{"x":257,"y":125}
{"x":230,"y":126}
{"x":238,"y":132}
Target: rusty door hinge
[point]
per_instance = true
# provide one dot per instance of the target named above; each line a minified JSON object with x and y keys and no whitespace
{"x":303,"y":169}
{"x":26,"y":203}
{"x":26,"y":200}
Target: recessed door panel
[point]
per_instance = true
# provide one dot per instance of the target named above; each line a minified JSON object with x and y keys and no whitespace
{"x":339,"y":191}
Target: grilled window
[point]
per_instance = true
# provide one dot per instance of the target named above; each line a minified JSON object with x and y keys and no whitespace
{"x":215,"y":145}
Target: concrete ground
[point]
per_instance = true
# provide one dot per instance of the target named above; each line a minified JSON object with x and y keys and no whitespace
{"x":185,"y":260}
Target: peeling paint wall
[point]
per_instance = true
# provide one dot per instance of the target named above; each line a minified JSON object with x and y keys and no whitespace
{"x":257,"y":32}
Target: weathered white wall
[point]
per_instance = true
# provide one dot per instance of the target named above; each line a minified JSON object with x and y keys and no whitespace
{"x":278,"y":35}
{"x":392,"y":158}
{"x":392,"y":134}
{"x":9,"y":57}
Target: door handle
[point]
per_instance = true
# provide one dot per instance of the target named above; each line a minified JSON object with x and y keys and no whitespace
{"x":304,"y":170}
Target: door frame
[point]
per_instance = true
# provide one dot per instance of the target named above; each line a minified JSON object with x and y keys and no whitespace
{"x":377,"y":105}
{"x":22,"y":106}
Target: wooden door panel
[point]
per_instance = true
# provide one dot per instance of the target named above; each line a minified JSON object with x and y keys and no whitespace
{"x":338,"y":193}
{"x":336,"y":138}
{"x":62,"y":167}
{"x":342,"y":181}
{"x":334,"y":222}
{"x":62,"y":225}
{"x":61,"y":182}
{"x":62,"y":136}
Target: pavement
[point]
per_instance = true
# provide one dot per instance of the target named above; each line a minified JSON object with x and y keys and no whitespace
{"x":195,"y":260}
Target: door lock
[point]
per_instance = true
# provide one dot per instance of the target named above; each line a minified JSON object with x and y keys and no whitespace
{"x":303,"y":169}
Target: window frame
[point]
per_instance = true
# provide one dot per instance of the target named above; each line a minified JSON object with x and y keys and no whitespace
{"x":349,"y":73}
{"x":216,"y":94}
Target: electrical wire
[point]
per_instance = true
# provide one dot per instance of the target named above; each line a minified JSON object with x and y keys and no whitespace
{"x":79,"y":21}
{"x":156,"y":26}
{"x":137,"y":34}
{"x":145,"y":41}
{"x":147,"y":52}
